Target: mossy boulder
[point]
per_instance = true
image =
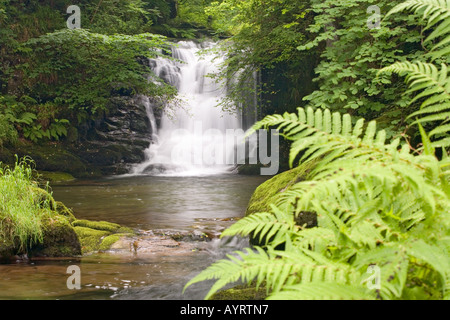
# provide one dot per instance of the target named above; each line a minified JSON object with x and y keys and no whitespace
{"x":64,"y":211}
{"x":90,"y":239}
{"x":102,"y":225}
{"x":99,"y":235}
{"x":43,"y":198}
{"x":271,"y":190}
{"x":60,"y":239}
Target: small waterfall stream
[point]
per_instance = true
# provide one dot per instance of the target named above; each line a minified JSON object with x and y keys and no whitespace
{"x":190,"y":142}
{"x":192,"y":138}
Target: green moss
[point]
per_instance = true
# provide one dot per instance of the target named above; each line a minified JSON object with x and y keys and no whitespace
{"x":64,"y":211}
{"x":109,"y":241}
{"x":97,"y":225}
{"x":60,"y":239}
{"x":99,"y":235}
{"x":90,"y":239}
{"x":269,"y":192}
{"x":55,"y":176}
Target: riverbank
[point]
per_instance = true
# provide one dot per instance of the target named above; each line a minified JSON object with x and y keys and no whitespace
{"x":179,"y":218}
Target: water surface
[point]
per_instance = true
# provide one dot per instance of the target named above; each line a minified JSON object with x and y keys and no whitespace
{"x":208,"y":203}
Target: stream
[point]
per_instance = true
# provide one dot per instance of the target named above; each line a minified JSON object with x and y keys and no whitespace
{"x":196,"y":193}
{"x":206,"y":203}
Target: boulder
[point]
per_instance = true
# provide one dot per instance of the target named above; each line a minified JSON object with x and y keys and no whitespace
{"x":270,"y":191}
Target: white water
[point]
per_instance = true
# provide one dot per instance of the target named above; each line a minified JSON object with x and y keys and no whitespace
{"x":191,"y":139}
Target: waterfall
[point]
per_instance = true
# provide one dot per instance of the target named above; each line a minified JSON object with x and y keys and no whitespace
{"x":193,"y":135}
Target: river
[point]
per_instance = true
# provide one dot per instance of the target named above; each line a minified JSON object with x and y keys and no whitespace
{"x":207,"y":203}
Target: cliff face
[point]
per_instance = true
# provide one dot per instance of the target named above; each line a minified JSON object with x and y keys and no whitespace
{"x":117,"y":139}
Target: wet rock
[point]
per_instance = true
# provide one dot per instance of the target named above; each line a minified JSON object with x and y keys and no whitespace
{"x":117,"y":138}
{"x":144,"y":245}
{"x":97,"y":236}
{"x":159,"y":168}
{"x":56,"y":157}
{"x":60,"y":239}
{"x":186,"y":236}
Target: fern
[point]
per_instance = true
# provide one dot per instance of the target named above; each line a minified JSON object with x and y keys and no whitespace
{"x":436,"y":92}
{"x":370,"y":197}
{"x":265,"y":225}
{"x":433,"y":83}
{"x":435,"y":11}
{"x":378,"y":202}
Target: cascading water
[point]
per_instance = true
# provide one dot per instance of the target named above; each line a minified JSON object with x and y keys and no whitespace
{"x":192,"y":139}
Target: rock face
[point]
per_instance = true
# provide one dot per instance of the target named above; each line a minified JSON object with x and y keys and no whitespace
{"x":107,"y":145}
{"x":117,"y":139}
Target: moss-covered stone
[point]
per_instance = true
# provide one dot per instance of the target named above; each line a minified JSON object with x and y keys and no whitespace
{"x":63,"y":234}
{"x":64,"y":211}
{"x":271,"y":190}
{"x":108,"y":241}
{"x":102,"y":225}
{"x":90,"y":239}
{"x":55,"y":176}
{"x":99,"y":235}
{"x":60,"y":239}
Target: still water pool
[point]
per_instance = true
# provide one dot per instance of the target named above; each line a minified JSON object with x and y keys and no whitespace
{"x":184,"y":204}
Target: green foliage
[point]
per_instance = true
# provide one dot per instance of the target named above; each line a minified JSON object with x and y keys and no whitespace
{"x":55,"y":131}
{"x":378,"y":203}
{"x":424,"y":77}
{"x":8,"y":134}
{"x":264,"y":37}
{"x":69,"y":64}
{"x":118,"y":16}
{"x":193,"y":11}
{"x":23,"y":207}
{"x":352,"y":54}
{"x":50,"y":75}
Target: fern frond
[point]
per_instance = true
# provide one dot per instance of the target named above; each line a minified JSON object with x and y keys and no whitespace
{"x":434,"y":11}
{"x":433,"y":255}
{"x":275,"y":269}
{"x":248,"y":266}
{"x":434,"y":85}
{"x":315,"y":239}
{"x":276,"y":226}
